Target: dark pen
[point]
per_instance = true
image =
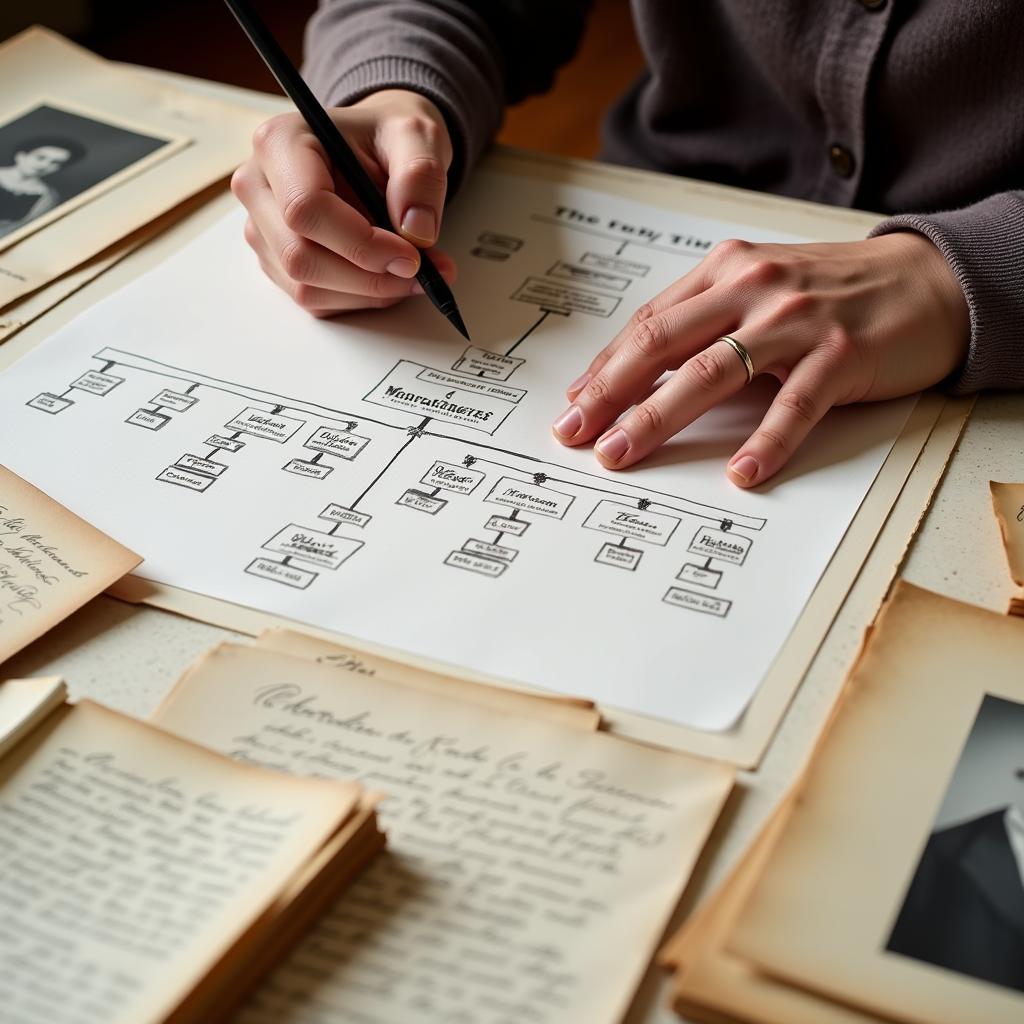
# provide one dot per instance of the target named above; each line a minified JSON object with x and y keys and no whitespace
{"x":338,"y":151}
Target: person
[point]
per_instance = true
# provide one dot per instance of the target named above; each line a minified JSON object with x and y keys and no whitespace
{"x":24,"y":192}
{"x":913,"y":110}
{"x":965,"y":907}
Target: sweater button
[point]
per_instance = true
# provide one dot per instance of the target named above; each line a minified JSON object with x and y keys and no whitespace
{"x":842,"y":160}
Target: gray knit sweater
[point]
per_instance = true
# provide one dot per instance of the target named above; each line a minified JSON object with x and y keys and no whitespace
{"x":914,"y":109}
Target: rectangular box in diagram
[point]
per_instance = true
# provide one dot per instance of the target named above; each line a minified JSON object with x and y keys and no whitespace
{"x":465,"y":401}
{"x":616,"y":264}
{"x":619,"y":555}
{"x":483,"y":547}
{"x":503,"y":524}
{"x":201,"y":465}
{"x":678,"y":597}
{"x":592,"y":276}
{"x":148,"y":419}
{"x":481,"y":362}
{"x":47,"y":402}
{"x":339,"y":443}
{"x":479,"y":564}
{"x":271,"y":426}
{"x":714,"y":543}
{"x":97,"y":383}
{"x":349,"y":516}
{"x":174,"y":400}
{"x":700,"y":575}
{"x":530,"y":497}
{"x":499,"y":241}
{"x":505,"y":392}
{"x":312,"y":470}
{"x":627,"y":521}
{"x":458,"y":479}
{"x":278,"y":572}
{"x":421,"y":502}
{"x":564,"y":298}
{"x":229,"y":444}
{"x":313,"y":546}
{"x":185,"y":478}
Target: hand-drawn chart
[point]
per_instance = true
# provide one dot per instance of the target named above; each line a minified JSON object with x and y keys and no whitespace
{"x":379,"y":476}
{"x":315,"y":441}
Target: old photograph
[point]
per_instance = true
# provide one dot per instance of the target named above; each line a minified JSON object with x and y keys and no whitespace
{"x":53,"y":158}
{"x":964,"y":909}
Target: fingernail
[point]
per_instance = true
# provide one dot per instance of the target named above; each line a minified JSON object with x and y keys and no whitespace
{"x":745,"y":468}
{"x":613,"y":446}
{"x":402,"y":267}
{"x":568,"y":424}
{"x":420,"y":223}
{"x":578,"y":385}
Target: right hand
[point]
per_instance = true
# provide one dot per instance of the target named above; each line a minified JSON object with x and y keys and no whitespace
{"x":306,"y":226}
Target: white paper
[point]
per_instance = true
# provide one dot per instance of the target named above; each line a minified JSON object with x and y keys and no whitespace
{"x":335,"y":513}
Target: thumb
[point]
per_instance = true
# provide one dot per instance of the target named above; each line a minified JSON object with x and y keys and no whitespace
{"x":417,"y":153}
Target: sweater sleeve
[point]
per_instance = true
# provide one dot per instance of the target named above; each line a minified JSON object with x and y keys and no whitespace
{"x":984,"y":247}
{"x":470,"y":57}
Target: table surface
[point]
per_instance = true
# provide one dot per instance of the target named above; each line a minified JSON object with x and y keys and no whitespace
{"x":129,"y":656}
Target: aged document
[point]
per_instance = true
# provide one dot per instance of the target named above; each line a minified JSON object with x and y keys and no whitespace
{"x":563,"y":710}
{"x":1008,"y":504}
{"x":131,"y":862}
{"x":106,"y":109}
{"x":531,"y":867}
{"x":895,"y":887}
{"x":51,"y":563}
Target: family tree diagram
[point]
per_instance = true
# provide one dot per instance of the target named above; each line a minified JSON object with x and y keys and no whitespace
{"x":431,"y":436}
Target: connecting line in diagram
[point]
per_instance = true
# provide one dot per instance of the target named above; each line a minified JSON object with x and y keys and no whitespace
{"x":472,"y":394}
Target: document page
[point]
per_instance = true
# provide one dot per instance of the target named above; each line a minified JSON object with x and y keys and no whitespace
{"x":130,"y":862}
{"x":530,"y":869}
{"x":51,"y":563}
{"x":378,"y":476}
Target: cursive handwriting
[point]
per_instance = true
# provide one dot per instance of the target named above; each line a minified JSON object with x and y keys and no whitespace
{"x":110,"y":872}
{"x":499,"y":860}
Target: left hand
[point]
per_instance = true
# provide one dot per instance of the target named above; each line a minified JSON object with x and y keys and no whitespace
{"x":834,"y":322}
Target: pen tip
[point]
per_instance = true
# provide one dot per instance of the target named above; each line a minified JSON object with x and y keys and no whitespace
{"x":456,"y":319}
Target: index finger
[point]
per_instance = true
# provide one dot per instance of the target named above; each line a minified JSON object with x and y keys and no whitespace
{"x":687,"y":287}
{"x":299,"y":175}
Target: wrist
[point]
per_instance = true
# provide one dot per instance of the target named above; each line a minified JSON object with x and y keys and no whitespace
{"x":943,"y":291}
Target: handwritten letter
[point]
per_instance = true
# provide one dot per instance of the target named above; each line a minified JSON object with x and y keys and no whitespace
{"x":128,"y":859}
{"x":531,"y":867}
{"x":51,"y":563}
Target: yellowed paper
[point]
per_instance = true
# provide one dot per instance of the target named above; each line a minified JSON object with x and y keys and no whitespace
{"x":24,"y":703}
{"x":39,"y":63}
{"x":920,"y":769}
{"x":1008,"y":503}
{"x":713,"y":985}
{"x":564,"y":710}
{"x":530,"y":867}
{"x":141,"y":859}
{"x":51,"y":562}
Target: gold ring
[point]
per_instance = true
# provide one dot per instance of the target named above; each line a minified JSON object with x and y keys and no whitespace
{"x":748,"y":363}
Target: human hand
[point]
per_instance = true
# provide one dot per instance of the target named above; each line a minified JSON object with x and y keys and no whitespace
{"x":834,"y":322}
{"x":305,"y":224}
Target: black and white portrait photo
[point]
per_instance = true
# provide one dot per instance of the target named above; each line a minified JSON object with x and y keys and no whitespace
{"x":964,"y":909}
{"x":52,"y":158}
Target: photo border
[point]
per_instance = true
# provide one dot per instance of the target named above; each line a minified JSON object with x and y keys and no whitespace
{"x":172,"y":144}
